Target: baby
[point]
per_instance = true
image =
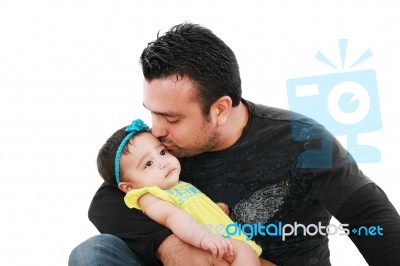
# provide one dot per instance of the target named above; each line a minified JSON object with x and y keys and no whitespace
{"x":140,"y":165}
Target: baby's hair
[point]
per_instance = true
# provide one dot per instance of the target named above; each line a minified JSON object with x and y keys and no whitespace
{"x":106,"y":156}
{"x":108,"y":159}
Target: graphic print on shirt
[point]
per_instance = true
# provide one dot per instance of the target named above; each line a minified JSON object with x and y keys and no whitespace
{"x":262,"y":204}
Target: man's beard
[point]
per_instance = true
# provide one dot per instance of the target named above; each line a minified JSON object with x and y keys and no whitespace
{"x":203,"y":143}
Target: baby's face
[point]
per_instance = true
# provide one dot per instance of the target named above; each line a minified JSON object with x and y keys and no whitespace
{"x":148,"y":163}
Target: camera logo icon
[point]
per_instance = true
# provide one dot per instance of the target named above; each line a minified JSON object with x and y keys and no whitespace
{"x":346,"y":103}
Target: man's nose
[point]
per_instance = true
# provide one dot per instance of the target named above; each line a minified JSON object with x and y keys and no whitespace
{"x":159,"y":128}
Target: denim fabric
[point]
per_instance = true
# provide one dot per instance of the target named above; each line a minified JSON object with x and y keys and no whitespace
{"x":103,"y":250}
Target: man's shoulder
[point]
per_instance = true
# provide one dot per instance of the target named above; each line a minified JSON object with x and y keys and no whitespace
{"x":256,"y":109}
{"x":106,"y":194}
{"x":261,"y":111}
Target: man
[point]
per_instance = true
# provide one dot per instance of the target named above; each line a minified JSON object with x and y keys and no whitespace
{"x":242,"y":154}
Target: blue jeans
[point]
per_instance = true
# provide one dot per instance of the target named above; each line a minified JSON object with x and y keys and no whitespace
{"x":103,"y":250}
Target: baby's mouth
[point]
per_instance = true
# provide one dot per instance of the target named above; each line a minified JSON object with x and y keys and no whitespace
{"x":169,"y":172}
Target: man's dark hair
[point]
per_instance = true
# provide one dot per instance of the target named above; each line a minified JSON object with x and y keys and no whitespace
{"x":194,"y":51}
{"x":106,"y":156}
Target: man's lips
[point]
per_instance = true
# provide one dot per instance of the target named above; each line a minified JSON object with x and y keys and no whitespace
{"x":168,"y":145}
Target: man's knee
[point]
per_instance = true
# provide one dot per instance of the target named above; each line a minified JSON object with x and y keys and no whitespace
{"x":102,"y":250}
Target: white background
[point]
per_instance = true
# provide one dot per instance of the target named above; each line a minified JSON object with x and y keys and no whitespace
{"x":70,"y":76}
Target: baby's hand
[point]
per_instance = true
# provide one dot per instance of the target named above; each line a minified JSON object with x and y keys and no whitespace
{"x":218,"y":245}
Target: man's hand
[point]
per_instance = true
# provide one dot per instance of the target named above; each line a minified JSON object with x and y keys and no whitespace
{"x":175,"y":252}
{"x":224,"y":207}
{"x":218,"y":245}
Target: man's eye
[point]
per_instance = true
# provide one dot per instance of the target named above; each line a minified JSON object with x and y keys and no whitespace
{"x":163,"y":151}
{"x":172,"y":121}
{"x":148,"y":164}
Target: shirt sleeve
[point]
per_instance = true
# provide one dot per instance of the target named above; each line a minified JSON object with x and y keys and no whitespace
{"x":355,"y":200}
{"x":334,"y":174}
{"x":132,"y":197}
{"x":110,"y":215}
{"x":370,"y":207}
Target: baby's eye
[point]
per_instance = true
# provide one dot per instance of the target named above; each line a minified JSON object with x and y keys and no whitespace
{"x":163,"y":151}
{"x":148,"y":164}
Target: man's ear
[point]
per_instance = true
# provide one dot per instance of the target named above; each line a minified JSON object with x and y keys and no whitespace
{"x":125,"y":186}
{"x":221,"y":109}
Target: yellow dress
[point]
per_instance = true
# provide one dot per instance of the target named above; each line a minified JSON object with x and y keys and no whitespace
{"x":198,"y":205}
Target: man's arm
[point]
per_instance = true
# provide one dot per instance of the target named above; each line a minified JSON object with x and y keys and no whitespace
{"x":110,"y":215}
{"x":175,"y":252}
{"x":369,"y":206}
{"x":144,"y":237}
{"x":180,"y":222}
{"x":354,"y":199}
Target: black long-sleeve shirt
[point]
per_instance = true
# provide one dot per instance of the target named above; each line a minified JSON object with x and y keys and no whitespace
{"x":285,"y":169}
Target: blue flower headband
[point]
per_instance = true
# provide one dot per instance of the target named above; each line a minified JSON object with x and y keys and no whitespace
{"x":134,"y":128}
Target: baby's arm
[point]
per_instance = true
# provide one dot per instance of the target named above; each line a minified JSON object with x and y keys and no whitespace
{"x":180,"y":222}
